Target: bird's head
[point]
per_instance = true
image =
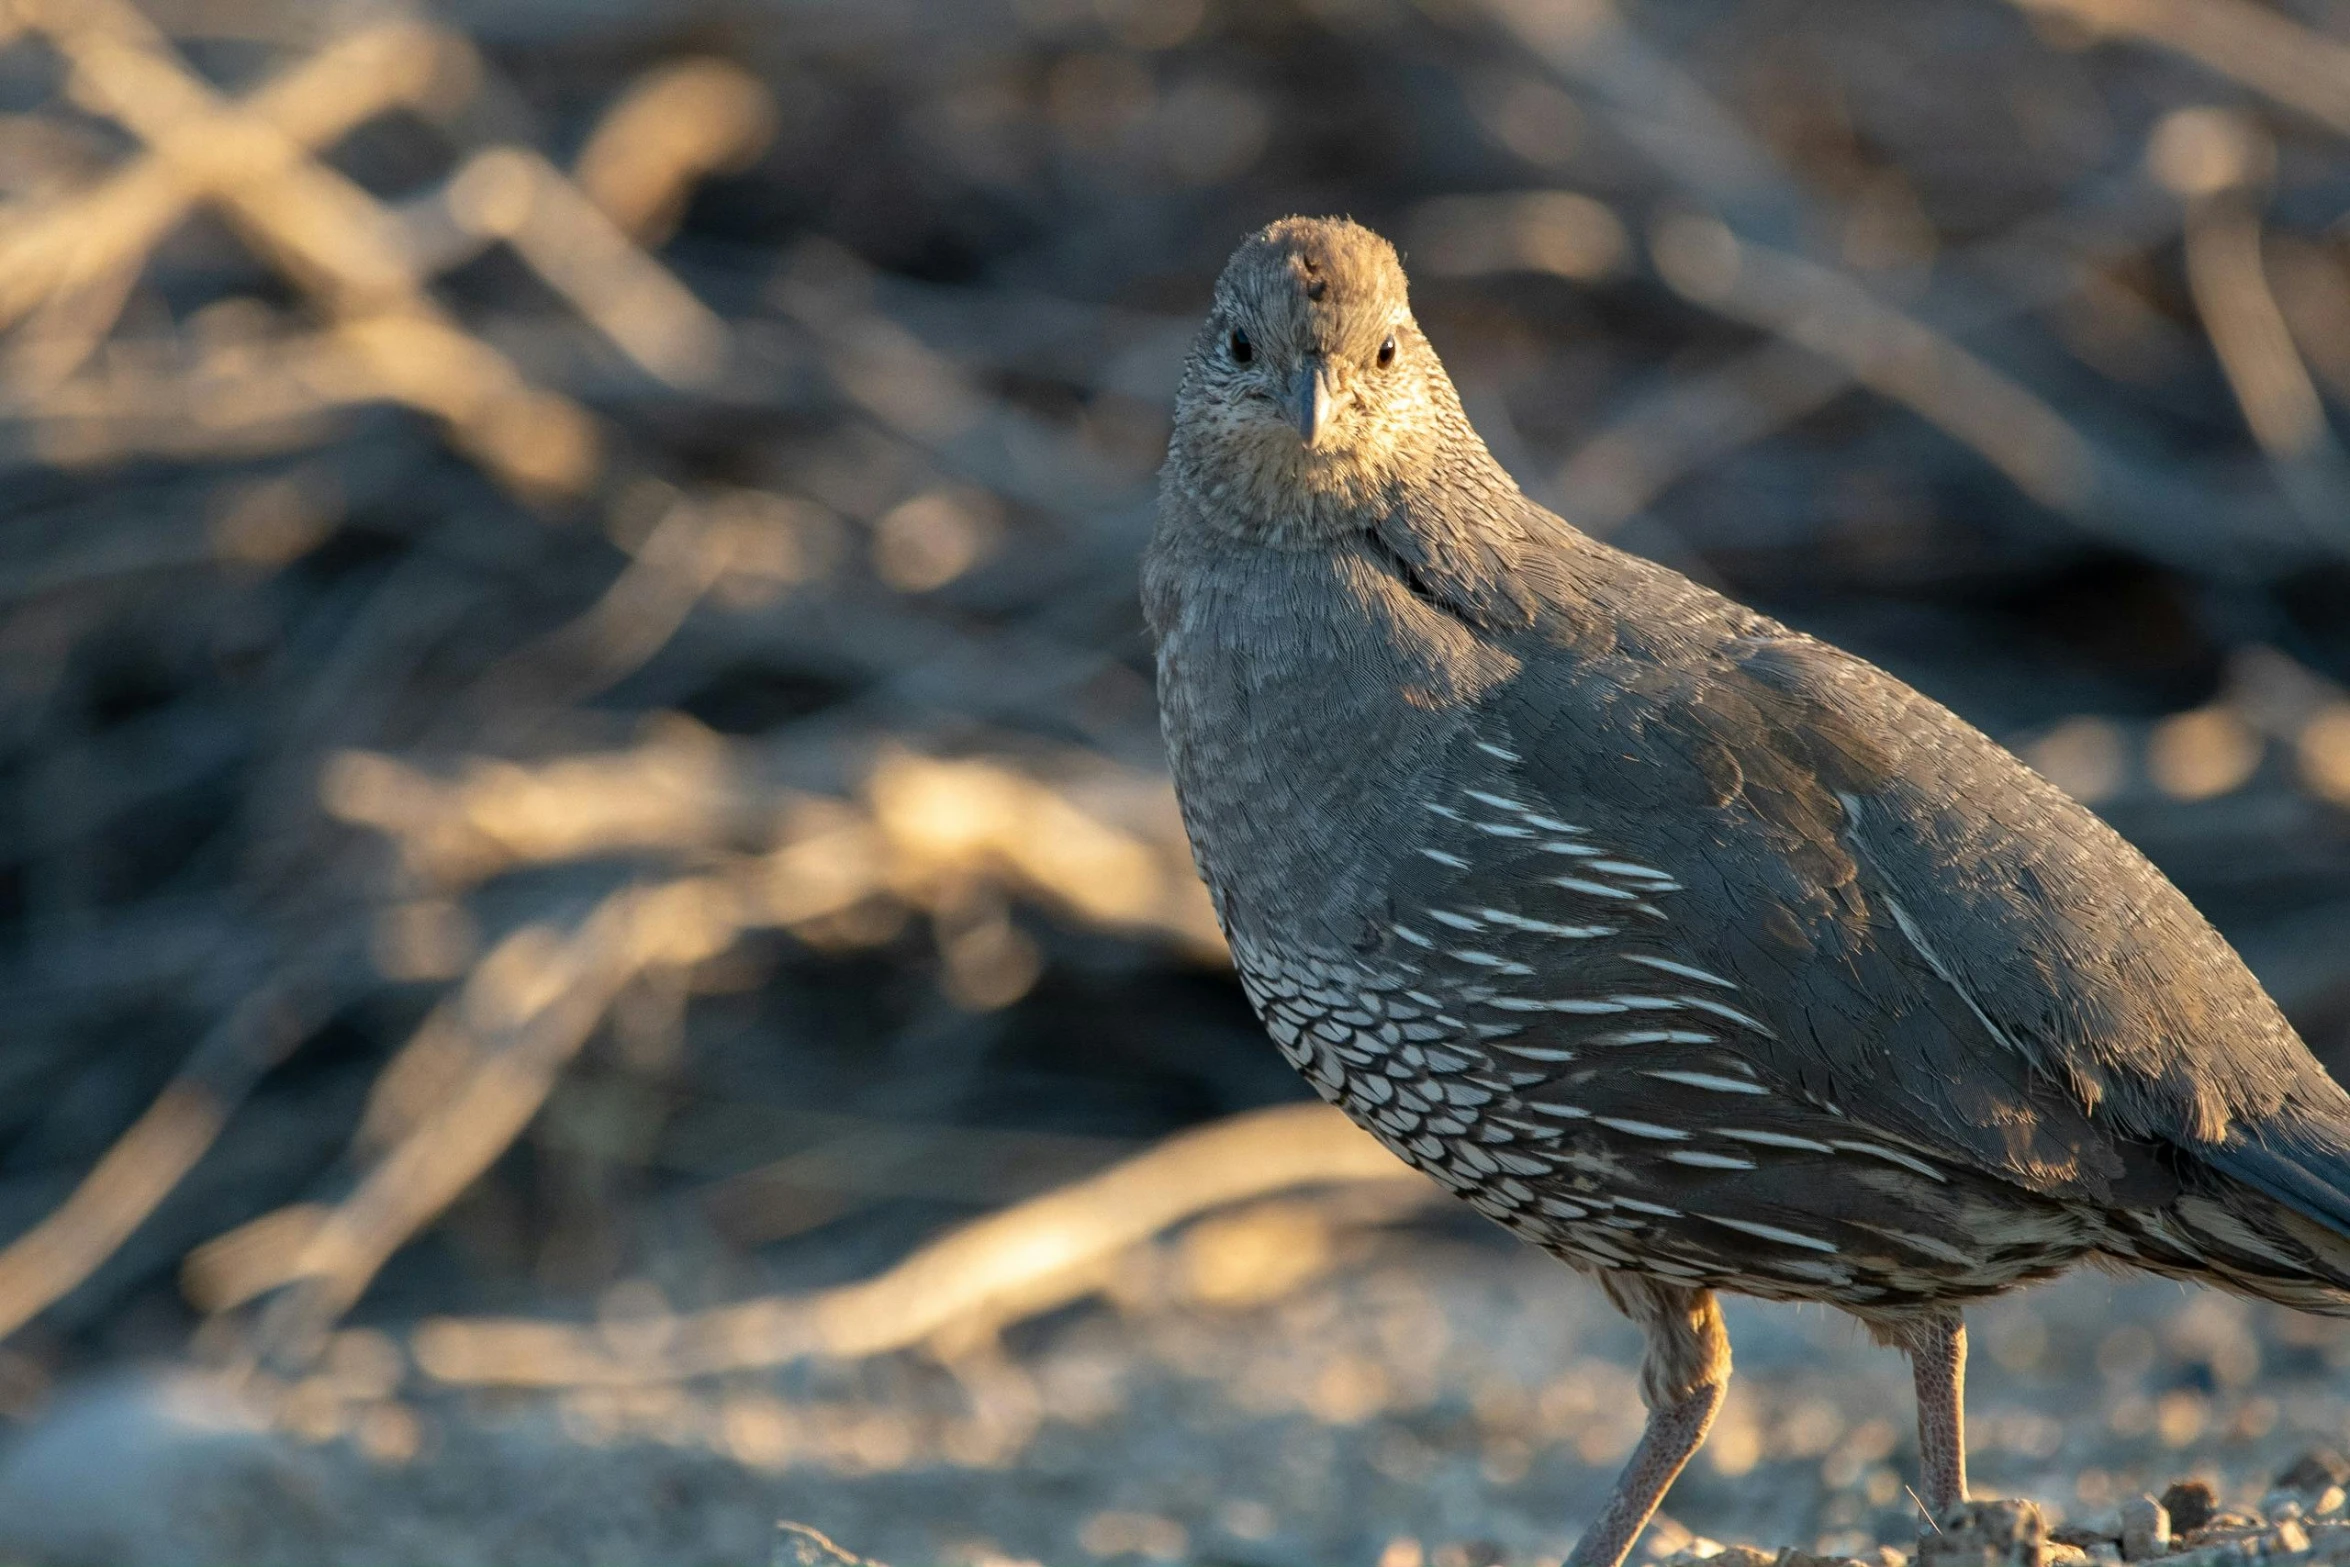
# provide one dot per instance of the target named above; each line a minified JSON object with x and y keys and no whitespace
{"x":1310,"y":393}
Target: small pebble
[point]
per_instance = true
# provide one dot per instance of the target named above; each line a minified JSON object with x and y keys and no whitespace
{"x":2190,"y":1504}
{"x":2146,"y":1526}
{"x":2331,"y":1541}
{"x":2315,"y":1471}
{"x":2000,"y":1533}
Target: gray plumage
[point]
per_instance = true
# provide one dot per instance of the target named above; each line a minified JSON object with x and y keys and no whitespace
{"x":1695,"y":950}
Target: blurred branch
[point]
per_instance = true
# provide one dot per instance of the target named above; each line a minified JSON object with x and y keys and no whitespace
{"x":685,"y":555}
{"x":325,"y":229}
{"x":677,"y":125}
{"x":254,"y":161}
{"x":102,"y":231}
{"x":2215,"y":161}
{"x":147,"y":1161}
{"x":512,"y":193}
{"x":1693,"y":421}
{"x":1896,"y":355}
{"x":1882,"y":349}
{"x":889,"y":374}
{"x":864,"y":1160}
{"x":2255,"y":348}
{"x":534,"y":1003}
{"x":1662,"y":109}
{"x":2256,"y":45}
{"x":476,"y":1072}
{"x":1661,"y":439}
{"x":928,"y":824}
{"x":1027,"y":1259}
{"x":1717,"y":261}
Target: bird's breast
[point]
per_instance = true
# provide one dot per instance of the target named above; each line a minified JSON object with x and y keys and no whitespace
{"x":1310,"y":703}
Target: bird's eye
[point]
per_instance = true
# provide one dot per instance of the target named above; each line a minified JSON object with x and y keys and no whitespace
{"x":1241,"y":348}
{"x":1387,"y":351}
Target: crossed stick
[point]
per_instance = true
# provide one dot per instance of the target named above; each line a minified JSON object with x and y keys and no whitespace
{"x":70,"y":266}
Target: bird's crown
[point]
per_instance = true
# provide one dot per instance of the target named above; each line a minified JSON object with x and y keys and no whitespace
{"x":1318,"y":283}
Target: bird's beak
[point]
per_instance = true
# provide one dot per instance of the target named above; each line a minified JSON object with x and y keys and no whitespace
{"x":1311,"y":398}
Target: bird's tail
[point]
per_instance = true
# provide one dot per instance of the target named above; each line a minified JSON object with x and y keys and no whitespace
{"x":2272,"y":1221}
{"x":2305,"y":1166}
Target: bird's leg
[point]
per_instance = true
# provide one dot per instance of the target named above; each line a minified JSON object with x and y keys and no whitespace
{"x":1937,"y":1358}
{"x":1682,"y":1377}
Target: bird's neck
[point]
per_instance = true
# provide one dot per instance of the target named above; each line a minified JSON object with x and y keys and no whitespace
{"x":1462,"y":537}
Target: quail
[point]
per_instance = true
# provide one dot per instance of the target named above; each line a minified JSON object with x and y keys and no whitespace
{"x":1695,"y":951}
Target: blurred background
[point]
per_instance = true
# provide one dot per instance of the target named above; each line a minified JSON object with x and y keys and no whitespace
{"x":594,"y":944}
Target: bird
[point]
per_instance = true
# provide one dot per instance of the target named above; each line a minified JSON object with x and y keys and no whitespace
{"x":1701,"y":954}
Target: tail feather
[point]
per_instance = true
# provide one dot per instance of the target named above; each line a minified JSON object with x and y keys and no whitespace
{"x":2276,"y":1226}
{"x":2306,"y":1170}
{"x":2244,"y":1241}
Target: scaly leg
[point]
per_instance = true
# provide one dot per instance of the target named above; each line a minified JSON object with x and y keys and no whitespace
{"x":1937,"y":1359}
{"x":1682,"y":1378}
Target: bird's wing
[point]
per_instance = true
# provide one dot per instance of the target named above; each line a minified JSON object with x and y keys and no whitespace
{"x":2069,"y":948}
{"x":1777,"y":855}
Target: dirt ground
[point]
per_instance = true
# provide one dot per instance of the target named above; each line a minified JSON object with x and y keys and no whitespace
{"x":1430,"y":1394}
